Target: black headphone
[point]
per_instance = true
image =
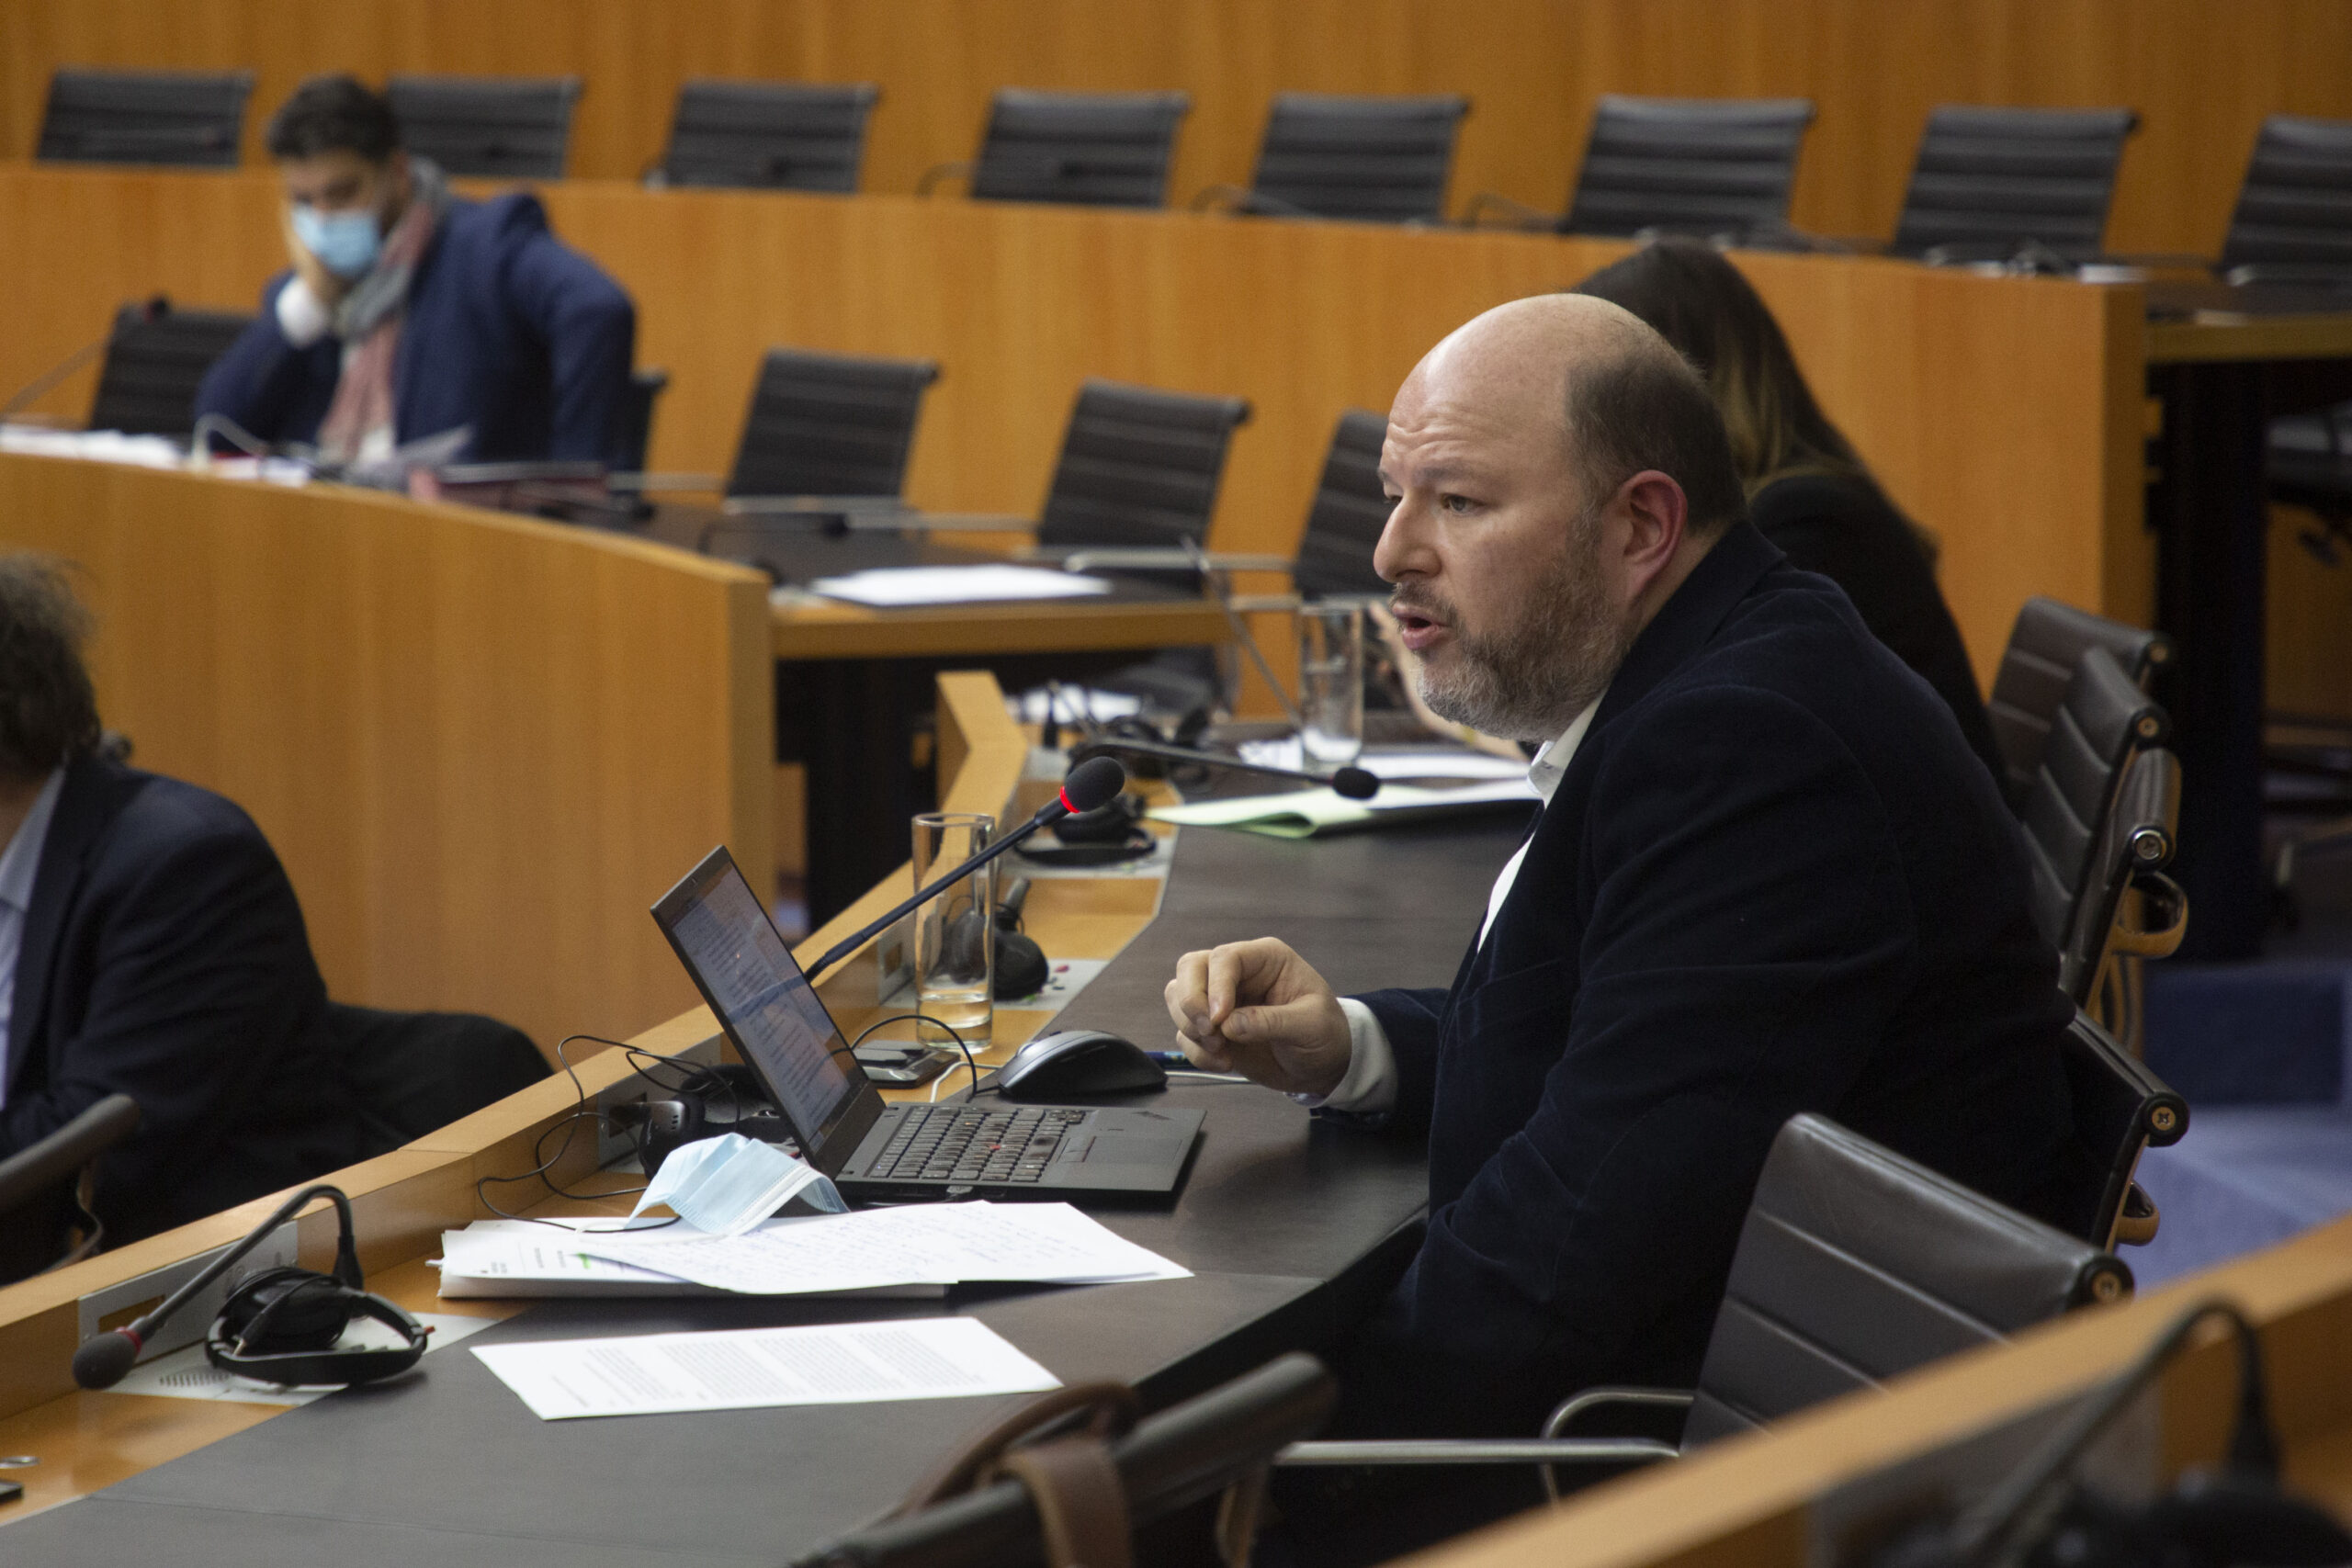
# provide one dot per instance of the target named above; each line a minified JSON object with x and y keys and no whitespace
{"x":1108,"y":835}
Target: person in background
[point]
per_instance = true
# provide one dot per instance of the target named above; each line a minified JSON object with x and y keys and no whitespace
{"x":1807,"y":491}
{"x":408,"y":312}
{"x":150,"y":946}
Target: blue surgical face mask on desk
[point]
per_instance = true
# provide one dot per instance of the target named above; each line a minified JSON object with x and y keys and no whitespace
{"x":346,"y":243}
{"x":728,"y":1184}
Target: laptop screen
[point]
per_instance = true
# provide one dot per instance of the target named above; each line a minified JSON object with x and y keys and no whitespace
{"x":769,"y":1010}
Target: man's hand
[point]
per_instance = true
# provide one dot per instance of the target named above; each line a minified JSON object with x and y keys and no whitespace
{"x":324,"y":285}
{"x":1260,"y":1009}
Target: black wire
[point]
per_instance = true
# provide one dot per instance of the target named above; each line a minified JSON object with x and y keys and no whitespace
{"x":969,"y":1061}
{"x":570,"y":1124}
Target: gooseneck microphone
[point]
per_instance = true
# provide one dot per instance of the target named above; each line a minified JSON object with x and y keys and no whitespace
{"x":1088,"y":786}
{"x":102,"y":1360}
{"x":1356,"y":784}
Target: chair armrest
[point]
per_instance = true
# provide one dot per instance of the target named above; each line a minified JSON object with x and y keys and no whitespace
{"x":655,"y":484}
{"x":1119,"y":558}
{"x":2151,"y":925}
{"x":951,"y":521}
{"x":1596,"y":1398}
{"x":1516,"y":214}
{"x":2288,"y":273}
{"x":1240,"y":198}
{"x":1479,"y":1450}
{"x":960,"y":169}
{"x":2136,"y":1221}
{"x":812,"y":505}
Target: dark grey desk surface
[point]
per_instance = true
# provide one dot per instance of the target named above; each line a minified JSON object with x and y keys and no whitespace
{"x":1293,"y":1228}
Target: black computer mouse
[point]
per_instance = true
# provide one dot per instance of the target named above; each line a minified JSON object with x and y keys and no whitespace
{"x":1079,"y":1062}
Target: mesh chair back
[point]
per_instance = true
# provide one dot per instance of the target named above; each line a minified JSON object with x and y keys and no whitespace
{"x":1092,"y":149}
{"x":507,"y":128}
{"x":1691,"y":166}
{"x":1856,"y":1263}
{"x":1350,"y":509}
{"x":2119,"y":1108}
{"x":188,"y":118}
{"x":784,"y":135}
{"x":156,"y":360}
{"x":1139,"y":467}
{"x":413,"y":1072}
{"x":1993,"y":179}
{"x":2295,"y":208}
{"x":2044,"y":643}
{"x":829,"y":424}
{"x":2103,"y":720}
{"x":2143,"y":829}
{"x":1381,"y":160}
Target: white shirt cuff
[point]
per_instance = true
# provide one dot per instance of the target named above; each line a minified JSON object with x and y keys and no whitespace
{"x":301,"y":316}
{"x":1369,"y":1086}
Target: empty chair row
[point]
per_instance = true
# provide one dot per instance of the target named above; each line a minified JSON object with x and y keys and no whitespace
{"x":1986,"y":183}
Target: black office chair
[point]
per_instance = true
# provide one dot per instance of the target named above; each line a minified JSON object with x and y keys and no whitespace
{"x":973,"y":1514}
{"x":2103,"y":722}
{"x":155,"y":359}
{"x":1350,"y":508}
{"x":1382,"y":160}
{"x":2130,"y":910}
{"x":776,"y":135}
{"x":1707,"y":166}
{"x":1854,"y":1265}
{"x":824,"y":425}
{"x":44,"y":1191}
{"x":182,"y":118}
{"x":2119,"y":1108}
{"x":414,"y":1072}
{"x":1090,"y":148}
{"x":2293,"y":221}
{"x":1139,"y":467}
{"x":506,"y":128}
{"x":2045,"y":641}
{"x":1994,"y":184}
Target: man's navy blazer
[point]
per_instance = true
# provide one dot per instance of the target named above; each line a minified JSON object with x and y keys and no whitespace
{"x":1774,"y":878}
{"x":508,"y":330}
{"x":165,"y":958}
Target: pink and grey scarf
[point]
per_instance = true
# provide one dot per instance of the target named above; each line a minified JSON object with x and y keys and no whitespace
{"x":367,"y":319}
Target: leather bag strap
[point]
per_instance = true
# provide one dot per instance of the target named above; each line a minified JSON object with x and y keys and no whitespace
{"x":1110,"y":1410}
{"x":1081,"y":1501}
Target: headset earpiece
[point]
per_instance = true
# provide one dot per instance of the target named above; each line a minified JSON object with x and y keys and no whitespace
{"x":281,"y":1326}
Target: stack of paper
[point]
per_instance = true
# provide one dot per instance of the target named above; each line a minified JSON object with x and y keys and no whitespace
{"x":916,"y":1250}
{"x":1311,"y":811}
{"x":898,"y":587}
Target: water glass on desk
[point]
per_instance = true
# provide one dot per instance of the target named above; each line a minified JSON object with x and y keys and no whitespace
{"x":955,"y":932}
{"x":1330,"y":683}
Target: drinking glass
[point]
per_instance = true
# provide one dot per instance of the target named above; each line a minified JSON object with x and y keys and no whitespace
{"x":955,"y":932}
{"x":1330,"y":683}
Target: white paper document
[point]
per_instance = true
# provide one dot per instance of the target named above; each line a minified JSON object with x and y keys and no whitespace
{"x":850,"y":1363}
{"x":898,"y":587}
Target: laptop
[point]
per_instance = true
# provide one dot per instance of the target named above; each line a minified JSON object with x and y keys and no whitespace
{"x":876,"y":1151}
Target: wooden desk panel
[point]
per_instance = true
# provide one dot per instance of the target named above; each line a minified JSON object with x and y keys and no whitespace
{"x":2005,"y":413}
{"x":2201,"y":73}
{"x":482,"y":745}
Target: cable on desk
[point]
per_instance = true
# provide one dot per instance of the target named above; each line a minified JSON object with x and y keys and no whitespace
{"x":969,"y":1060}
{"x":581,"y":1111}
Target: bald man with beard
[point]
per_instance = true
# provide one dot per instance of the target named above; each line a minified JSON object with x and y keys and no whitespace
{"x":1769,"y":877}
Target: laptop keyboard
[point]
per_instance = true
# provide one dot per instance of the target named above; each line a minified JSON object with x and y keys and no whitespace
{"x":961,"y":1144}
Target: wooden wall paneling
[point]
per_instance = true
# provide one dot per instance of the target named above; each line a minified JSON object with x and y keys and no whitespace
{"x":482,"y":745}
{"x":2202,"y":73}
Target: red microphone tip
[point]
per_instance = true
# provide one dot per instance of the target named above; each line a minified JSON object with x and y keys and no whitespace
{"x":1064,"y":792}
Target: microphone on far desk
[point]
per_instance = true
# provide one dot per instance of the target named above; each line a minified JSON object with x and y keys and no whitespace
{"x":1087,"y":787}
{"x":1356,"y":784}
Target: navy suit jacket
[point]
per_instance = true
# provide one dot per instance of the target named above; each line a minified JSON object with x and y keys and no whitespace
{"x":165,"y":958}
{"x":508,"y":330}
{"x":1774,"y":878}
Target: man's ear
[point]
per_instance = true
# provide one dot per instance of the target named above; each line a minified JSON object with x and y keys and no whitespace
{"x":1656,"y":514}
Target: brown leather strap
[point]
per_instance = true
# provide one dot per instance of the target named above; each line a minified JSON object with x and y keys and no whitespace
{"x":1111,"y":1409}
{"x":1080,"y":1498}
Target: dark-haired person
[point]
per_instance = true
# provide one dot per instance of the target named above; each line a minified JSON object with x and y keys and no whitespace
{"x":1807,"y":491}
{"x":150,"y":946}
{"x":408,"y":312}
{"x":1768,"y":877}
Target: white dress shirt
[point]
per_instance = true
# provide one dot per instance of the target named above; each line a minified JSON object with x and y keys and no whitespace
{"x":20,"y":863}
{"x":1369,"y":1087}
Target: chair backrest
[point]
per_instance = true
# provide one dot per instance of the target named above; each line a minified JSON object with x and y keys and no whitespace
{"x":1138,"y":467}
{"x":155,"y":359}
{"x":38,"y":1182}
{"x":645,"y":388}
{"x":190,"y":119}
{"x":2119,"y":1108}
{"x":1689,"y":165}
{"x":1092,"y":149}
{"x":1350,"y":509}
{"x":1856,"y":1263}
{"x":2295,"y":208}
{"x":2044,"y":643}
{"x":786,"y":135}
{"x":2104,"y":719}
{"x":1381,"y":160}
{"x":513,"y":128}
{"x":1997,"y":178}
{"x":829,"y":424}
{"x":413,"y":1072}
{"x":2142,"y":831}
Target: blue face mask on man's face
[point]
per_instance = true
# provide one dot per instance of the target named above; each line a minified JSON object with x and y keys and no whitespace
{"x":346,"y":243}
